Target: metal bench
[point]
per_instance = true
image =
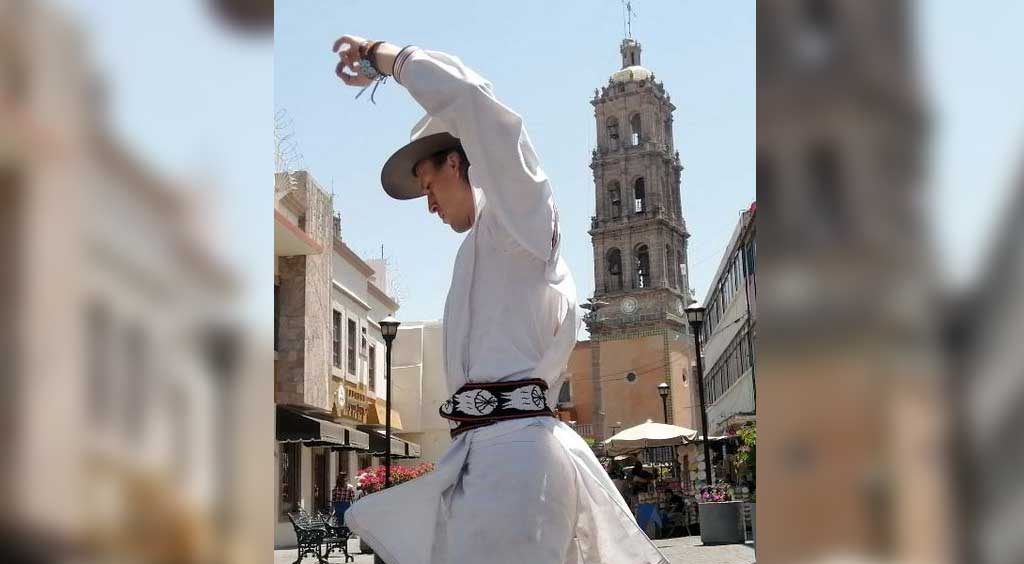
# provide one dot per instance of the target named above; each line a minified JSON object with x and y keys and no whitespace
{"x":310,"y":532}
{"x":337,"y":537}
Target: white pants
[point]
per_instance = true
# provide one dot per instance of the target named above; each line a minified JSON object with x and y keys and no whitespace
{"x":516,"y":500}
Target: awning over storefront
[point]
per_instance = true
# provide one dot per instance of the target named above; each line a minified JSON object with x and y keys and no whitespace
{"x":376,"y":416}
{"x":400,"y":448}
{"x":295,"y":426}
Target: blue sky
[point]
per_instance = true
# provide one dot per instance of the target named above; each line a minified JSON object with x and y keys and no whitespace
{"x":198,"y":103}
{"x":971,"y":68}
{"x":545,"y":59}
{"x":195,"y":104}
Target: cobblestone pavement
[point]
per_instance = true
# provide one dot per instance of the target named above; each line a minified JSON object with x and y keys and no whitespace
{"x":689,"y":550}
{"x":684,"y":550}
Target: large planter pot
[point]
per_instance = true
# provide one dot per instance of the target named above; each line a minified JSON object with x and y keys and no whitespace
{"x":721,"y":522}
{"x":753,"y":522}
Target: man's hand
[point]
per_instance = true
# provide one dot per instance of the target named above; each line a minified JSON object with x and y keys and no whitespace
{"x":348,"y":48}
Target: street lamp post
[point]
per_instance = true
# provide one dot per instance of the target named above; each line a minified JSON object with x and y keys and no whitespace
{"x":592,"y":305}
{"x":663,"y":392}
{"x":695,"y":315}
{"x":388,"y":329}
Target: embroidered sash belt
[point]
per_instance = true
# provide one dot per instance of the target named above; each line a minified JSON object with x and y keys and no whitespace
{"x":480,"y":404}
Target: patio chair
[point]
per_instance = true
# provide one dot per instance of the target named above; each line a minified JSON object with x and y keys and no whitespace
{"x":310,"y":532}
{"x":337,"y":537}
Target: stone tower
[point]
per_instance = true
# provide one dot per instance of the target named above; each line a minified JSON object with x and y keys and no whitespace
{"x":640,"y":250}
{"x":638,"y":232}
{"x":848,"y":286}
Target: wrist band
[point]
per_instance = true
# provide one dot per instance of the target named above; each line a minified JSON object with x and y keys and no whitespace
{"x":401,"y":58}
{"x":371,"y":55}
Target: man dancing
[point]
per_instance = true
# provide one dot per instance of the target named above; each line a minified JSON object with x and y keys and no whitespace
{"x":516,"y":486}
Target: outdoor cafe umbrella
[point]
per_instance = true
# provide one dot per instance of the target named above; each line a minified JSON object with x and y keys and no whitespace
{"x":647,"y":435}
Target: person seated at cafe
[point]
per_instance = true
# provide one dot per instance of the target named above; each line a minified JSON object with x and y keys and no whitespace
{"x":640,"y":478}
{"x":676,"y":503}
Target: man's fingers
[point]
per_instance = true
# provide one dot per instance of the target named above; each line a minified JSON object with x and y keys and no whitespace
{"x":345,"y":77}
{"x":347,"y":68}
{"x":343,"y":40}
{"x":350,"y":79}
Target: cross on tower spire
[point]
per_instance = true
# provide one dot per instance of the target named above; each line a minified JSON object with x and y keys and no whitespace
{"x":627,"y":17}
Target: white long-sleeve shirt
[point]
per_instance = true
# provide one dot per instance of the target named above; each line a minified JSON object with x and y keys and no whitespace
{"x":511,"y":290}
{"x":510,"y":314}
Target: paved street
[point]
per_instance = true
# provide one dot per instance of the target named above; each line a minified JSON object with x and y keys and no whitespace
{"x":685,"y":550}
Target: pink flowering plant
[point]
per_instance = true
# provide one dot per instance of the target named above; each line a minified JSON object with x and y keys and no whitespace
{"x":716,"y":493}
{"x":371,"y":480}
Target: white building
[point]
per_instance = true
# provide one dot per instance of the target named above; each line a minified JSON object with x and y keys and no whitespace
{"x":730,"y":332}
{"x":330,"y":385}
{"x":420,"y":387}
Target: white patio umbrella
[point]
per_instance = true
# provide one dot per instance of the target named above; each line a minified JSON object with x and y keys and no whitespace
{"x":649,"y":434}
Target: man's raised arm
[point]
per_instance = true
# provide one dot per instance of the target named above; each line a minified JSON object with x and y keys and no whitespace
{"x":503,"y":162}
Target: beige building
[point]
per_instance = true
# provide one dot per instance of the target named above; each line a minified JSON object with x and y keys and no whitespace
{"x":329,"y":370}
{"x":123,"y":363}
{"x":420,"y":387}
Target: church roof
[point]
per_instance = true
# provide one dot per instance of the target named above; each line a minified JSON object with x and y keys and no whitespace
{"x":632,"y":74}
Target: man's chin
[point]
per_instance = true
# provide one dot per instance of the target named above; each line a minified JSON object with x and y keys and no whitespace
{"x":460,"y":228}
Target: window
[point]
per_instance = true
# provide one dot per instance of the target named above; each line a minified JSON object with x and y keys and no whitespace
{"x":337,"y":339}
{"x":634,"y":126}
{"x":565,"y":393}
{"x":179,"y":405}
{"x":614,"y":283}
{"x":320,"y":480}
{"x":289,"y":487}
{"x":352,"y":346}
{"x":767,"y":186}
{"x":817,"y":36}
{"x":825,"y":188}
{"x":277,"y":315}
{"x":613,"y":132}
{"x":136,"y":381}
{"x":668,"y":132}
{"x":615,"y":195}
{"x":669,"y":255}
{"x":643,"y":268}
{"x":734,"y":362}
{"x":373,"y":368}
{"x":681,"y":265}
{"x":639,"y":196}
{"x":98,"y":326}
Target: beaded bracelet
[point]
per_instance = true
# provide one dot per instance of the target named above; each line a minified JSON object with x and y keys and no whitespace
{"x":368,"y":68}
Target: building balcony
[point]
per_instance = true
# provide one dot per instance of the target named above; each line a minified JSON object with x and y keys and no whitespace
{"x":585,"y":430}
{"x":290,"y":240}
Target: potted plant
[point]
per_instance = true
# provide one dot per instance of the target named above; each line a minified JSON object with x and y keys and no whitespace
{"x":720,"y":516}
{"x":745,"y":464}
